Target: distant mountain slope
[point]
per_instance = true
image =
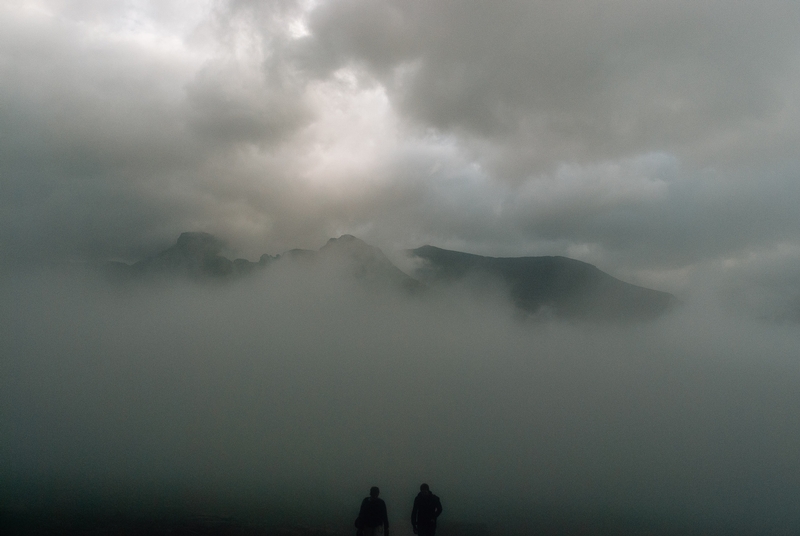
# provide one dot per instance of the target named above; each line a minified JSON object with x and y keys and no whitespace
{"x":367,"y":262}
{"x":358,"y":259}
{"x":195,"y":255}
{"x":555,"y":286}
{"x":551,"y":285}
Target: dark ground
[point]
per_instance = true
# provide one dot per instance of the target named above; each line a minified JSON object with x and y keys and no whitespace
{"x":119,"y":525}
{"x":71,"y":524}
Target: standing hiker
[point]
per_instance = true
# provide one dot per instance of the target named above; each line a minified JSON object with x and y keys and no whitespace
{"x":427,"y":508}
{"x":372,"y":518}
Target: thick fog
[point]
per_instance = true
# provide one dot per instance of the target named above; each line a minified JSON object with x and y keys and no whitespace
{"x":655,"y":140}
{"x":293,"y":391}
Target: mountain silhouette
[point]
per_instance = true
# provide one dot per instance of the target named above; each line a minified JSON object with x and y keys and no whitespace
{"x":541,"y":286}
{"x":557,"y":286}
{"x":195,"y":255}
{"x":366,"y":262}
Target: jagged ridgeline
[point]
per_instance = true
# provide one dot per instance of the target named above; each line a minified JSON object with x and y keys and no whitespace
{"x":195,"y":255}
{"x":542,"y":286}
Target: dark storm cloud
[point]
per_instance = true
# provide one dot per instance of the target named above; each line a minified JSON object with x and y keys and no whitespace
{"x":646,"y":138}
{"x":562,"y":81}
{"x":113,"y":135}
{"x":579,"y":107}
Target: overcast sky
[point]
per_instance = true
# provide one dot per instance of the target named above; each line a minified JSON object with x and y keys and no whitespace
{"x":656,"y":140}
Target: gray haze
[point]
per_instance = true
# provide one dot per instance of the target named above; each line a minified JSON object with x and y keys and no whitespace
{"x":656,"y":140}
{"x":301,"y":384}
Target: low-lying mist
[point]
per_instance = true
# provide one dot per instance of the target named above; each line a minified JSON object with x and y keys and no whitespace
{"x":295,"y":390}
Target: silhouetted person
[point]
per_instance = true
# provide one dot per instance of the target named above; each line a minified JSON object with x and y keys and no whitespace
{"x":427,"y":508}
{"x":372,"y":518}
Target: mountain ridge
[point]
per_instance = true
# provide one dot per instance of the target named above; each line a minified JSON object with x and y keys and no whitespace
{"x":545,"y":285}
{"x":539,"y":286}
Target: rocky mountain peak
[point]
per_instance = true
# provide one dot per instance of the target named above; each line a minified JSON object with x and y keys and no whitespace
{"x":537,"y":285}
{"x":348,"y":242}
{"x":198,"y":243}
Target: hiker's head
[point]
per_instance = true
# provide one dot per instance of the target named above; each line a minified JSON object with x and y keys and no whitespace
{"x":374,"y":491}
{"x":424,"y":487}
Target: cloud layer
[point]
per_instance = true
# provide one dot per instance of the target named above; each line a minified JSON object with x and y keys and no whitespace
{"x":296,"y":383}
{"x":655,"y":141}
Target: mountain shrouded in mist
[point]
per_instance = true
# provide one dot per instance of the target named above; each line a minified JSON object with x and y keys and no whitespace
{"x":558,"y":285}
{"x":570,"y":165}
{"x":543,"y":286}
{"x":283,"y":394}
